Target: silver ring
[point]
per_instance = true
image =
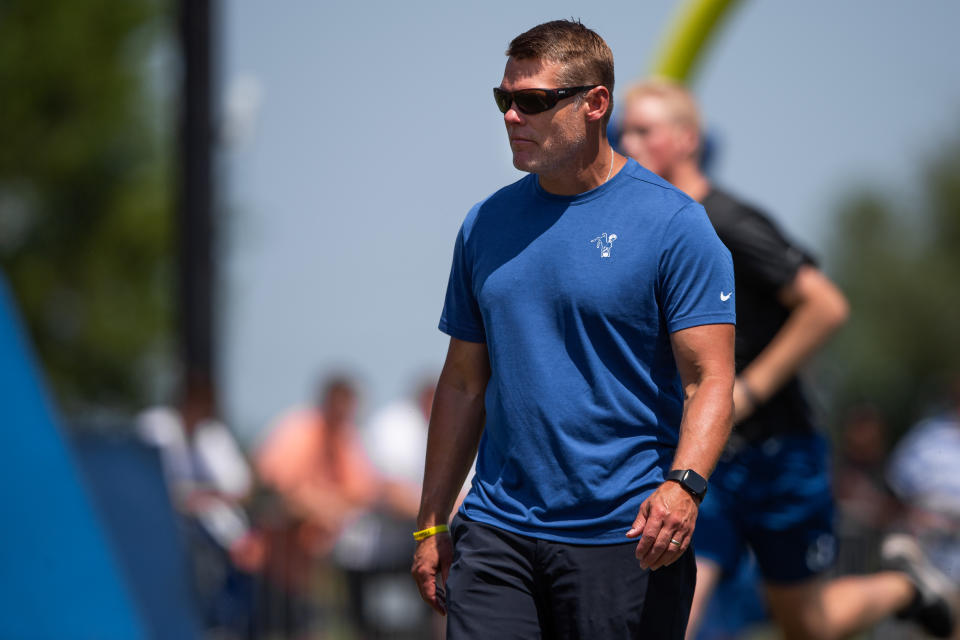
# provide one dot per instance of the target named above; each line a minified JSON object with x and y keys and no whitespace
{"x":674,"y":541}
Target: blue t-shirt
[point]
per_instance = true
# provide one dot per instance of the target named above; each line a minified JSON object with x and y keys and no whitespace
{"x":575,"y":297}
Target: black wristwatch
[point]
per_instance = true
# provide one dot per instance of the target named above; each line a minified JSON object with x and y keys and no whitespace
{"x":694,"y":483}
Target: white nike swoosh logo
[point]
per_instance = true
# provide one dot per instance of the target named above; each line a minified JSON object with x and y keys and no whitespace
{"x":725,"y":297}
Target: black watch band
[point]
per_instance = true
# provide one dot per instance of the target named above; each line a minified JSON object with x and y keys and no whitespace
{"x":694,"y":483}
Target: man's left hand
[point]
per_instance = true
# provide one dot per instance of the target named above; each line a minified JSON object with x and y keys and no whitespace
{"x":666,"y":518}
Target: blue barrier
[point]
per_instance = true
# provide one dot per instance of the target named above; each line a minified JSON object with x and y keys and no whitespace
{"x":128,"y":489}
{"x":59,"y":577}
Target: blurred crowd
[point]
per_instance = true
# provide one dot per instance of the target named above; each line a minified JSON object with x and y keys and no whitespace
{"x":307,"y":534}
{"x":910,"y":487}
{"x":884,"y":488}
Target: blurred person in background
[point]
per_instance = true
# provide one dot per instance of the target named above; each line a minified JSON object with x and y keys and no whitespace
{"x":376,"y":550}
{"x":923,"y":473}
{"x":313,"y":460}
{"x":866,"y":507}
{"x":210,"y":481}
{"x":396,"y":441}
{"x":771,"y":488}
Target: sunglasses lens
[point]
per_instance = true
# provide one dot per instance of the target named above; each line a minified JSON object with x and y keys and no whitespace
{"x":503,"y":99}
{"x":529,"y":101}
{"x":534,"y":101}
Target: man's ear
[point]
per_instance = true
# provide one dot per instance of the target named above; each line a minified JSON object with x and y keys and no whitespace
{"x":597,"y":102}
{"x":688,"y":139}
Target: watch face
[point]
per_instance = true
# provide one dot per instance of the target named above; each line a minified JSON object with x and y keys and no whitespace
{"x":690,"y":480}
{"x":695,"y":482}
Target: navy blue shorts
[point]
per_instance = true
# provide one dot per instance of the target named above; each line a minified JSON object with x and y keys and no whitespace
{"x":506,"y":586}
{"x":774,"y":497}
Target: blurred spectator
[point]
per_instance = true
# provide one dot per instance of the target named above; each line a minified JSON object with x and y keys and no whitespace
{"x":396,"y":441}
{"x":866,"y":507}
{"x":375,"y":551}
{"x":771,"y":489}
{"x":209,"y":478}
{"x":923,"y":474}
{"x":314,"y":461}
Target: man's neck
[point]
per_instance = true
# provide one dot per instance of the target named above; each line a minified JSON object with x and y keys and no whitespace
{"x":589,"y":173}
{"x":688,"y":178}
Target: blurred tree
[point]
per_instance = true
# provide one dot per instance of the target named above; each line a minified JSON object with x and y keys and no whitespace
{"x":900,"y":266}
{"x":84,"y":193}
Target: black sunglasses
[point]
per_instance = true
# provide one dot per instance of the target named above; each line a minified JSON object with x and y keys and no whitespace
{"x":531,"y":101}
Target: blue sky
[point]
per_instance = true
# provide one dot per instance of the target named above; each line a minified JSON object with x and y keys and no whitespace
{"x":376,"y":131}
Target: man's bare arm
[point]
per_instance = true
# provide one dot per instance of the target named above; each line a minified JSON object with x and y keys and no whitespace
{"x":704,"y":358}
{"x":456,"y":423}
{"x":818,"y":309}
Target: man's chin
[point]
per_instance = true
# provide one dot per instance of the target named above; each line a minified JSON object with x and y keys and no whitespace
{"x":523,"y":163}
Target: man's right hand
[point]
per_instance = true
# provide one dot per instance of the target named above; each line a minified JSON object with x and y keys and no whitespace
{"x":432,"y":559}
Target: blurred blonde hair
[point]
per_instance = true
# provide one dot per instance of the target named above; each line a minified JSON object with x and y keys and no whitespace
{"x":680,"y":103}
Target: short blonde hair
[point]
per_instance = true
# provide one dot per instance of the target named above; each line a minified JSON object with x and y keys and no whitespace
{"x":680,"y":103}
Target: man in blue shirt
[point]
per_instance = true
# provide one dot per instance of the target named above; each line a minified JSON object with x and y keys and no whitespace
{"x":590,"y":368}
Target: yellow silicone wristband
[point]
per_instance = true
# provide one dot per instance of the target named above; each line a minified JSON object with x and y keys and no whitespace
{"x":432,"y":531}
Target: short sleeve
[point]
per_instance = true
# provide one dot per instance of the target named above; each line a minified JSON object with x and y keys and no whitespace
{"x":763,"y":253}
{"x":695,"y":278}
{"x":461,"y":317}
